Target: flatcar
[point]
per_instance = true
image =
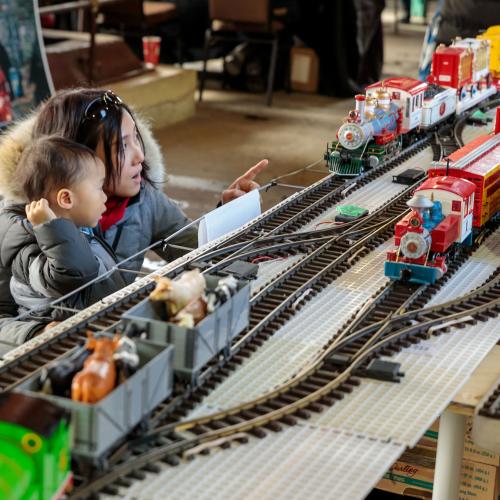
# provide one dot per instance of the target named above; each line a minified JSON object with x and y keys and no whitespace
{"x":35,"y":446}
{"x":397,"y":111}
{"x":461,"y":196}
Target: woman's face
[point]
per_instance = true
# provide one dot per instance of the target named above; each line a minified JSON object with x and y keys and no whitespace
{"x":129,"y":182}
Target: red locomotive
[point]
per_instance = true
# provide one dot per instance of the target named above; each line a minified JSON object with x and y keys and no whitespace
{"x":461,"y":195}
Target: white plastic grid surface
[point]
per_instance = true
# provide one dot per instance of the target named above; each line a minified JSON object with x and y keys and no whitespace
{"x":202,"y":410}
{"x":300,"y":462}
{"x":473,"y":273}
{"x":435,"y":370}
{"x":470,"y":132}
{"x":270,"y":269}
{"x":375,"y":194}
{"x":293,"y":346}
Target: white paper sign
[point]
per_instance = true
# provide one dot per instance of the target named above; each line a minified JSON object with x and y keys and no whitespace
{"x":229,"y":216}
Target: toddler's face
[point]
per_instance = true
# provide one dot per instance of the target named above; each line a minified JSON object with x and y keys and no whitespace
{"x":89,"y":195}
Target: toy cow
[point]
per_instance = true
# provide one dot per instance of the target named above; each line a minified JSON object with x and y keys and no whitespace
{"x":98,"y":377}
{"x":177,"y":294}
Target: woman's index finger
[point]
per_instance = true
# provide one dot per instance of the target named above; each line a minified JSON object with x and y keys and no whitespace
{"x":254,"y":171}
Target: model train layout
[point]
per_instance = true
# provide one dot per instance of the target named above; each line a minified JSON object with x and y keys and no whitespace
{"x":106,"y":395}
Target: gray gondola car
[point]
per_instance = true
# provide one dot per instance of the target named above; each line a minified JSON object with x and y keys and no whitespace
{"x":195,"y":347}
{"x":100,"y":426}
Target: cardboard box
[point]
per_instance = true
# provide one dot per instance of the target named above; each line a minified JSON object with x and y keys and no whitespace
{"x":471,"y":450}
{"x":304,"y":69}
{"x":413,"y":473}
{"x":477,"y":481}
{"x":412,"y":477}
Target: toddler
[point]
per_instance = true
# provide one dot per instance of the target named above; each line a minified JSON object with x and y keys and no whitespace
{"x":53,"y":250}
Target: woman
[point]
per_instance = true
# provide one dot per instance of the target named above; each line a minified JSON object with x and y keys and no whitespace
{"x":138,"y":213}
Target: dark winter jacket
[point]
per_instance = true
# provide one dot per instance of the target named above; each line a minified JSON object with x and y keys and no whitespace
{"x":150,"y":216}
{"x":467,"y":18}
{"x":50,"y":260}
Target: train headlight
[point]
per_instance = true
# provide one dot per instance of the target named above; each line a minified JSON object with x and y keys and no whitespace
{"x":351,"y":136}
{"x":414,"y":245}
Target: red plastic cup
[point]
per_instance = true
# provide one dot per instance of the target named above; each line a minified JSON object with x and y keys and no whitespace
{"x":151,"y":49}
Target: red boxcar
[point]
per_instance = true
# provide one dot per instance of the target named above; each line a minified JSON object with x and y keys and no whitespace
{"x":451,"y":67}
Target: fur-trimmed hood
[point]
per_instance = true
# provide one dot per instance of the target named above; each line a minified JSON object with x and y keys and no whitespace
{"x":18,"y":136}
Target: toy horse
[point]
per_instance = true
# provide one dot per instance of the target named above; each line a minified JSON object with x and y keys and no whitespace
{"x":98,"y":377}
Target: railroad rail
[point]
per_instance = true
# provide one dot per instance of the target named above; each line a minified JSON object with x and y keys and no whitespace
{"x":319,"y":385}
{"x":105,"y":315}
{"x":332,"y":256}
{"x":328,"y":254}
{"x":491,"y":407}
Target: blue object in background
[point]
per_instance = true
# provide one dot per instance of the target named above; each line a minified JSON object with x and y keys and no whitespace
{"x":424,"y":67}
{"x":15,"y":82}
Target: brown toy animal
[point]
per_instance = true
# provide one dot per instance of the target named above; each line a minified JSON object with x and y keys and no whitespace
{"x":177,"y":294}
{"x":192,"y":314}
{"x":98,"y":377}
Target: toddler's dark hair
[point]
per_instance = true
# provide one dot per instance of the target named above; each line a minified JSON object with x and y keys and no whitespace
{"x":51,"y":163}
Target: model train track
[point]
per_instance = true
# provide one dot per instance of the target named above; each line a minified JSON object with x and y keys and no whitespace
{"x":303,"y":207}
{"x":393,"y":299}
{"x":92,"y":317}
{"x":338,"y":250}
{"x":315,"y":388}
{"x":447,"y":141}
{"x":250,"y":234}
{"x":491,"y":407}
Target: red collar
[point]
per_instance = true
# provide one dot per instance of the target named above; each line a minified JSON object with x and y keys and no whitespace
{"x":115,"y":210}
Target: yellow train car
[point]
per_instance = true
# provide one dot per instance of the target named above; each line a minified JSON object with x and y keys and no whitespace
{"x":493,"y":35}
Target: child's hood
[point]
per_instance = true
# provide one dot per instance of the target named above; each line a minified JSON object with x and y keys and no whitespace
{"x":18,"y":136}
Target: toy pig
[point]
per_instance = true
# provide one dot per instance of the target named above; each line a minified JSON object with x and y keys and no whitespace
{"x":177,"y":294}
{"x":98,"y":377}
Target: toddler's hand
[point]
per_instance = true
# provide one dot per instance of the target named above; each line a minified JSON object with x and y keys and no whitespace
{"x":39,"y":212}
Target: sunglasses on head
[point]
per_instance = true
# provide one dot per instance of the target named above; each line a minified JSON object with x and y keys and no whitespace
{"x":98,"y":108}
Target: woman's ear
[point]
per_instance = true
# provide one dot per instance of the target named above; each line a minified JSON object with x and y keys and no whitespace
{"x":65,"y":198}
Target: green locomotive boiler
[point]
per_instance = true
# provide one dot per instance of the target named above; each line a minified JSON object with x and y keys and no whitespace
{"x":35,"y":441}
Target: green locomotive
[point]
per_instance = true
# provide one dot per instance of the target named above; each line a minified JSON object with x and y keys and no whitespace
{"x":35,"y":443}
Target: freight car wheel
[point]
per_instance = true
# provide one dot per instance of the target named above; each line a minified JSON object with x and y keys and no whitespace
{"x":144,"y":426}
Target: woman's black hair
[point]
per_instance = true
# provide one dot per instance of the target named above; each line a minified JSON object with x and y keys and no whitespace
{"x":64,"y":115}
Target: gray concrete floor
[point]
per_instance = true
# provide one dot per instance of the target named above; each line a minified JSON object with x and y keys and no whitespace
{"x":232,"y":131}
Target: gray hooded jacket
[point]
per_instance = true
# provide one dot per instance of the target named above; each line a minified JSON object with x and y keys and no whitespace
{"x":50,"y":260}
{"x":149,"y":217}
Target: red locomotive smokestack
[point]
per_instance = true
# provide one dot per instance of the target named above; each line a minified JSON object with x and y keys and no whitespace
{"x":497,"y":122}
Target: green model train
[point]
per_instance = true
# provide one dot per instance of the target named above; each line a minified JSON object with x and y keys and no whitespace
{"x":35,"y":443}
